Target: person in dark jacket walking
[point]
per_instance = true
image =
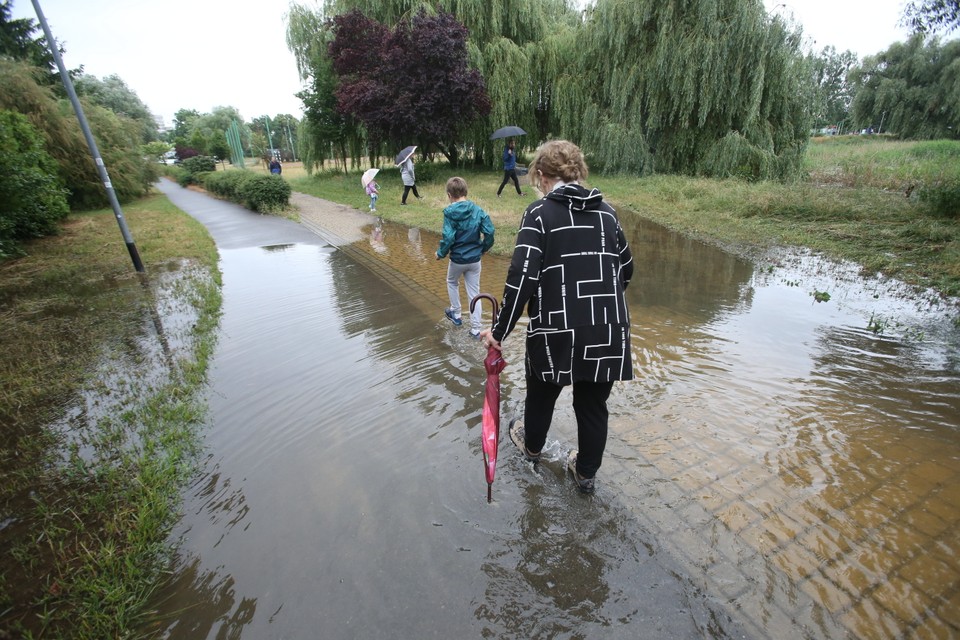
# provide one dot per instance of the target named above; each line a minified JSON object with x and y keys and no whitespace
{"x":467,"y":235}
{"x":408,"y":176}
{"x":570,"y":268}
{"x":510,"y":168}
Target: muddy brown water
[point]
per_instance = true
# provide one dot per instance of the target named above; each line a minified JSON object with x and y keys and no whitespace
{"x":781,"y":467}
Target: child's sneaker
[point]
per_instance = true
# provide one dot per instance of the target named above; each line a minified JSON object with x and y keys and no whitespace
{"x":585,"y":484}
{"x":454,"y":319}
{"x":517,"y":434}
{"x":474,"y":334}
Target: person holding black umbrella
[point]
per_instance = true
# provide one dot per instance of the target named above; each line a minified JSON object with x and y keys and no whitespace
{"x":570,"y":268}
{"x":510,"y":167}
{"x":409,"y":178}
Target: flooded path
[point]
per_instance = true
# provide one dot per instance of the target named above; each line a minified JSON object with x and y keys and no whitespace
{"x":778,"y":469}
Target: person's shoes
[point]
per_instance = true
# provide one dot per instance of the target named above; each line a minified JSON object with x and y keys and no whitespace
{"x":373,"y":210}
{"x":499,"y":196}
{"x":517,"y":434}
{"x":585,"y":484}
{"x":522,"y":193}
{"x":419,"y":197}
{"x":403,"y":204}
{"x":474,"y":334}
{"x":454,"y":319}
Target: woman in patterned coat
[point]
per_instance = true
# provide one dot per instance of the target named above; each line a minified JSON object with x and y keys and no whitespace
{"x":570,"y":267}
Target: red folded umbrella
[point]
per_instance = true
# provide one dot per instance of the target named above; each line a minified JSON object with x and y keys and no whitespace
{"x":494,"y":364}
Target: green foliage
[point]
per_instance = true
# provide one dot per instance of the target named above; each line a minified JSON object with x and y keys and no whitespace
{"x":265,"y":193}
{"x":511,"y":43}
{"x":832,"y":93}
{"x":913,"y":88}
{"x":113,"y":93}
{"x":227,"y":184}
{"x":256,"y":191}
{"x":943,"y":198}
{"x":33,"y":201}
{"x":155,"y":150}
{"x":175,"y":173}
{"x":945,"y":151}
{"x":932,"y":16}
{"x":118,"y":139}
{"x":183,"y":121}
{"x":23,"y":40}
{"x":706,"y":87}
{"x":193,"y":170}
{"x":198,"y":141}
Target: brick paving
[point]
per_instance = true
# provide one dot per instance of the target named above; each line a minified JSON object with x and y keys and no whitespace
{"x":871,"y":552}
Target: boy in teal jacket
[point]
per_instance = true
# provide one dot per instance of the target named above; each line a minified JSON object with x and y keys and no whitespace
{"x":467,"y":235}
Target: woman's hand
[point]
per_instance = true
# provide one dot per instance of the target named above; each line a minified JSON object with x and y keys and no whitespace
{"x":487,"y":337}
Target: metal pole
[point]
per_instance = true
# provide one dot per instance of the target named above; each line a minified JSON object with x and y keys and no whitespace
{"x":290,"y":138}
{"x":269,"y":136}
{"x":91,"y":143}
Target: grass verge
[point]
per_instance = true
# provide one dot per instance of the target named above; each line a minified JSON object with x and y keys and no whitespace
{"x":102,"y":372}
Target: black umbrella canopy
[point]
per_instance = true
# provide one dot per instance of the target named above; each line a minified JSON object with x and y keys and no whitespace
{"x":507,"y":132}
{"x":405,"y":154}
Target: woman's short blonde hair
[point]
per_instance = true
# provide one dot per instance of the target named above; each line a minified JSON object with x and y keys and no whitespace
{"x":457,"y":187}
{"x":559,"y":159}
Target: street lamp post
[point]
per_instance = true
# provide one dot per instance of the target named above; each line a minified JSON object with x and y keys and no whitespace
{"x":91,"y":143}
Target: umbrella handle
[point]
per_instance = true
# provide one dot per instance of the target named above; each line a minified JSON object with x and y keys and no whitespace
{"x":493,"y":301}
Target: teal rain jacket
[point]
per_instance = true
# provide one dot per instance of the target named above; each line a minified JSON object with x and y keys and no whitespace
{"x":463,"y":225}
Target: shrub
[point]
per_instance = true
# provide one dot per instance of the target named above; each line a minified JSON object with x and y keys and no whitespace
{"x":193,"y":168}
{"x":265,"y":193}
{"x":174,"y":172}
{"x":196,"y":164}
{"x":32,"y":200}
{"x":227,"y":184}
{"x":184,"y":152}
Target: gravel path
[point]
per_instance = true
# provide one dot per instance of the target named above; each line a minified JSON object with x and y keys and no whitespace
{"x":338,"y":224}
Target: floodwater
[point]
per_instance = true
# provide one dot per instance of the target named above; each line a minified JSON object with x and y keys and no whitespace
{"x":781,"y":467}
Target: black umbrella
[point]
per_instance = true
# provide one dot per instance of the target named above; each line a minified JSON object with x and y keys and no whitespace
{"x":507,"y":132}
{"x":404,"y":155}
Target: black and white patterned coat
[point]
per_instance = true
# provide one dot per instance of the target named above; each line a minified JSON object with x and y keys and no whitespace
{"x":570,"y":268}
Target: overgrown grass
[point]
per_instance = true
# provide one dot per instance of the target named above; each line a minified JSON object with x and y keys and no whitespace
{"x":857,"y":204}
{"x":100,"y":415}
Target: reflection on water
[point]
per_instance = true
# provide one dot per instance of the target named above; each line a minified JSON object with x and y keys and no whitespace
{"x":779,"y":464}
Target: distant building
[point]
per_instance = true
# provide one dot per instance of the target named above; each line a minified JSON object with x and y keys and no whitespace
{"x":161,"y":124}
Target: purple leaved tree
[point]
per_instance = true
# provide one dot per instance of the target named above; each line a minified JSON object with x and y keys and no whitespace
{"x":408,"y":85}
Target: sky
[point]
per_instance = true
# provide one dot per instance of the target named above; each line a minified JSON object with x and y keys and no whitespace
{"x":865,"y":27}
{"x":182,"y":54}
{"x":200,"y":54}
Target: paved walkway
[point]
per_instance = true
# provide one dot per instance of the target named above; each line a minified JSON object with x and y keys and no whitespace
{"x":879,"y":559}
{"x":404,"y":257}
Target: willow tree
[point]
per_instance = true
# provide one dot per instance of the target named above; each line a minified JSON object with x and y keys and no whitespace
{"x":709,"y":87}
{"x":324,"y":133}
{"x":911,"y":89}
{"x":508,"y":43}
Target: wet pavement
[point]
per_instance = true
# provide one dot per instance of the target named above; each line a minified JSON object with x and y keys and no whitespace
{"x":778,"y":469}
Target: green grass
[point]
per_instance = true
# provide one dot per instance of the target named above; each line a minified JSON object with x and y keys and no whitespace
{"x":431,"y":184}
{"x":860,"y":203}
{"x":93,"y":504}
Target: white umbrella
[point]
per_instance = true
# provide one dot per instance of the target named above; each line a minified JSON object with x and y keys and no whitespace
{"x":368,"y":177}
